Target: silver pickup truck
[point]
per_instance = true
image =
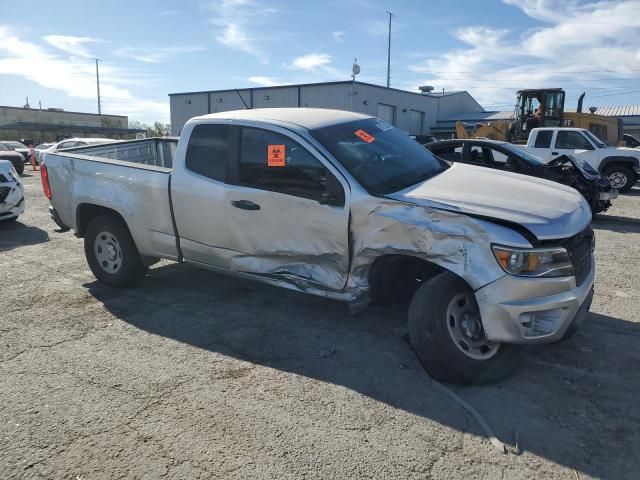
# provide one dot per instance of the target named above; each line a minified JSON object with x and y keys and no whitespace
{"x":345,"y":206}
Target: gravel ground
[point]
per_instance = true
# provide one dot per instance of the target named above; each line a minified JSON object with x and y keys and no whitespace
{"x":195,"y":375}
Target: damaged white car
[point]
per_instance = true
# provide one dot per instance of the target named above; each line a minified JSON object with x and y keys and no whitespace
{"x":342,"y":205}
{"x":11,"y":192}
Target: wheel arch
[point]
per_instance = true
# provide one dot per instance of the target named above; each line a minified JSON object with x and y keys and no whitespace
{"x":606,"y":162}
{"x":85,"y":212}
{"x":403,"y":272}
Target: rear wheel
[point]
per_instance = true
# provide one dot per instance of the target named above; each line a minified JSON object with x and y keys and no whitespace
{"x":447,"y":334}
{"x":622,"y":177}
{"x":111,"y":252}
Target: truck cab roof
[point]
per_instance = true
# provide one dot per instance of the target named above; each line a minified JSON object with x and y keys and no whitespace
{"x":309,"y":118}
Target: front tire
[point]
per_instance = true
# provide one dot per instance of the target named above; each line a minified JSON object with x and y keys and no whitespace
{"x":447,"y":335}
{"x":19,"y":166}
{"x":111,"y":253}
{"x":621,"y":177}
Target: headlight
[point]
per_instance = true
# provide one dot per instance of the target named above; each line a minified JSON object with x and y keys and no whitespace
{"x":534,"y":262}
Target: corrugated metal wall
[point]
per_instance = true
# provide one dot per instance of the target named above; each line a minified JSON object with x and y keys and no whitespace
{"x":356,"y":97}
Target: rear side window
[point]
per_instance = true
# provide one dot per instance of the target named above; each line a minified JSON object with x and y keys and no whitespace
{"x":208,"y":150}
{"x":543,"y":140}
{"x":271,"y":161}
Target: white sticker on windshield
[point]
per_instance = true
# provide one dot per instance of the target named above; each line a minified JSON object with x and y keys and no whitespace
{"x":384,"y":126}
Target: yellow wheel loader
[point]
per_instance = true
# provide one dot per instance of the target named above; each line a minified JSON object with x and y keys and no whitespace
{"x":544,"y":108}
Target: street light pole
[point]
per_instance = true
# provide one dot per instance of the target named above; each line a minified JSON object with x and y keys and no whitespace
{"x":98,"y":85}
{"x":389,"y":51}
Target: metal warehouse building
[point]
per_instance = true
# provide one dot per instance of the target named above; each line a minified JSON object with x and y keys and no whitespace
{"x":415,"y":113}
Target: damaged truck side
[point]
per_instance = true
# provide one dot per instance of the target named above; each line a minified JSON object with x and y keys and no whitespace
{"x":348,"y":207}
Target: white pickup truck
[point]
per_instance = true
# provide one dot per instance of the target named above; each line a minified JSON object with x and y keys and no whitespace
{"x":620,"y":164}
{"x":345,"y":206}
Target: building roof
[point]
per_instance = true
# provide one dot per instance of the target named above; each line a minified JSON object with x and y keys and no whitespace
{"x":477,"y":116}
{"x":305,"y":117}
{"x":319,"y":84}
{"x":52,"y":126}
{"x":615,"y":111}
{"x":61,"y":111}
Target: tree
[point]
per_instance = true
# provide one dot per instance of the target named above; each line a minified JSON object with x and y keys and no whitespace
{"x":158,"y":129}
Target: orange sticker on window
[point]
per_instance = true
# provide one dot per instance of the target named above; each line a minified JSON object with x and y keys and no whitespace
{"x":276,"y":155}
{"x":364,"y":136}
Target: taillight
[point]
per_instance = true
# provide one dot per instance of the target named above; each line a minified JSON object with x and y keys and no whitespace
{"x":44,"y":176}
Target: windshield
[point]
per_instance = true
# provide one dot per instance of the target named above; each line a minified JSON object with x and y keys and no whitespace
{"x":379,"y":156}
{"x":599,"y":143}
{"x":15,"y":145}
{"x":519,"y":152}
{"x":3,"y":147}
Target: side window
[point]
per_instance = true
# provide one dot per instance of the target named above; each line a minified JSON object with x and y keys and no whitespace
{"x":208,"y":150}
{"x":476,"y":155}
{"x":67,"y":145}
{"x":275,"y":162}
{"x":449,"y":152}
{"x":543,"y":140}
{"x":572,"y":140}
{"x":499,"y":157}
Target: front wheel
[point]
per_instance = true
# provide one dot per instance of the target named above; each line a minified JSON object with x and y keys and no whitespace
{"x":447,"y":335}
{"x":621,"y":177}
{"x":19,"y":166}
{"x":111,"y":253}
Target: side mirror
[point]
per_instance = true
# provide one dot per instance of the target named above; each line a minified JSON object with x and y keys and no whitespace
{"x":333,"y":192}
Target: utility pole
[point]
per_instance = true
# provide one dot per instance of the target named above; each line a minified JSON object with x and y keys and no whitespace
{"x":389,"y":51}
{"x":98,"y":84}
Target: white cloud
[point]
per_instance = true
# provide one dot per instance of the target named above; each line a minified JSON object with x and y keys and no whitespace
{"x":236,"y":22}
{"x":319,"y":64}
{"x":578,"y":45}
{"x":168,"y":13}
{"x":156,"y":54}
{"x":338,"y":36}
{"x":266,"y":81}
{"x":70,"y":44}
{"x":312,"y":61}
{"x":75,"y":76}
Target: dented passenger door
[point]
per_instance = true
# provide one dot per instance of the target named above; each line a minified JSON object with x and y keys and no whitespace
{"x":287,"y":211}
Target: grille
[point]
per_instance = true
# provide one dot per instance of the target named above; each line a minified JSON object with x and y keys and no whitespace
{"x":4,"y":192}
{"x":580,"y":248}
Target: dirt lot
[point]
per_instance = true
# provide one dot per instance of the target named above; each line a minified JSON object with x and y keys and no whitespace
{"x":194,"y":375}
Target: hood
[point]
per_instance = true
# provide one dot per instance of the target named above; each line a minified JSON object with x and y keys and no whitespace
{"x":9,"y":154}
{"x":624,"y":151}
{"x":547,"y":209}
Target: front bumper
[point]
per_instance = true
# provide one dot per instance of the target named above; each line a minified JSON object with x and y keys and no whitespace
{"x":11,"y":210}
{"x":533,"y":310}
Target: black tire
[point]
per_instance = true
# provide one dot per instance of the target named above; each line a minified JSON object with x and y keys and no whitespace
{"x":130,"y":268}
{"x":435,"y":347}
{"x":19,"y":166}
{"x":625,"y":171}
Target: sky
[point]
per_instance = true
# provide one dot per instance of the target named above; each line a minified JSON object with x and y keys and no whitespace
{"x":150,"y":49}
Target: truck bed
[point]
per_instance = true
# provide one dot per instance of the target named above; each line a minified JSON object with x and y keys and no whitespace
{"x":157,"y":152}
{"x":130,"y":177}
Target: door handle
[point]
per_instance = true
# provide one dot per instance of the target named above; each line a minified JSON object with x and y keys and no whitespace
{"x":245,"y":205}
{"x":554,"y":153}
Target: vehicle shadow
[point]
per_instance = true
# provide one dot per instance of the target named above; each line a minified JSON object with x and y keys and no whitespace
{"x":14,"y":234}
{"x":615,"y":223}
{"x":573,"y":403}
